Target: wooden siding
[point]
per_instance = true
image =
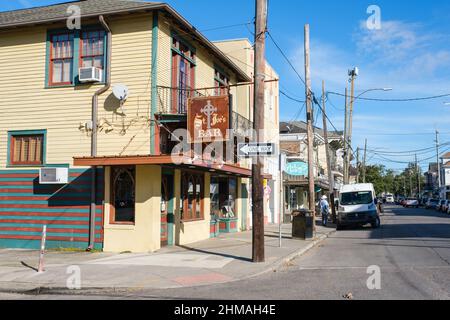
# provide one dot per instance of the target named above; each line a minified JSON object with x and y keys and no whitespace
{"x":28,"y":105}
{"x":25,"y":206}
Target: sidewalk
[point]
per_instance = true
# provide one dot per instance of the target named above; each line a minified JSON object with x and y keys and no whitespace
{"x":214,"y":261}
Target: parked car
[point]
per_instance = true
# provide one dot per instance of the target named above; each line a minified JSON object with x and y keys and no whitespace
{"x":411,"y":203}
{"x":358,"y":206}
{"x":440,"y":205}
{"x":431,"y":203}
{"x":445,"y":206}
{"x":390,"y":199}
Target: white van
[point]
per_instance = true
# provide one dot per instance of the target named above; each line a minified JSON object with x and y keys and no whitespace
{"x":358,"y":206}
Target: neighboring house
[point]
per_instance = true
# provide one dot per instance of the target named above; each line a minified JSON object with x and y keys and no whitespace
{"x":241,"y":52}
{"x":293,"y":142}
{"x":445,"y":176}
{"x":128,"y":192}
{"x":431,"y":179}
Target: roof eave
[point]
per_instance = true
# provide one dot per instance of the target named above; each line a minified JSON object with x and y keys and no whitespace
{"x":158,"y":6}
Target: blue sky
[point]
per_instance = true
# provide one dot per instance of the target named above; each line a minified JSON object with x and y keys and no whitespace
{"x":411,"y":54}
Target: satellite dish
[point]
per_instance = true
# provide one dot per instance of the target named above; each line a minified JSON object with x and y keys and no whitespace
{"x":121,"y":92}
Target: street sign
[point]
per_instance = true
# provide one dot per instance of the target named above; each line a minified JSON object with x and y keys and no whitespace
{"x":256,"y":149}
{"x":297,"y":169}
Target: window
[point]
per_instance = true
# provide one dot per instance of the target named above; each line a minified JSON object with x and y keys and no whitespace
{"x":27,"y":149}
{"x":123,"y":183}
{"x":183,"y":75}
{"x":92,"y":49}
{"x":61,"y":59}
{"x":70,"y":50}
{"x":221,"y":83}
{"x":356,"y":198}
{"x":193,"y":189}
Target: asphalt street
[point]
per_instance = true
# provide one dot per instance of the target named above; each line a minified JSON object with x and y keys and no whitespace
{"x":411,"y":251}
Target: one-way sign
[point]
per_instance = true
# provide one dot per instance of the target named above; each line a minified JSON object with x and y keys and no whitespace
{"x":256,"y":149}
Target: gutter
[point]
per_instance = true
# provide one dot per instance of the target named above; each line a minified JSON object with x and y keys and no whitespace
{"x":93,"y":206}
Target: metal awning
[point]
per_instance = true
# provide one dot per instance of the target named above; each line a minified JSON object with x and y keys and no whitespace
{"x":182,"y":162}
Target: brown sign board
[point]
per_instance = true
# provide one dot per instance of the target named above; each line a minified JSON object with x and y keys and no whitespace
{"x":208,"y":119}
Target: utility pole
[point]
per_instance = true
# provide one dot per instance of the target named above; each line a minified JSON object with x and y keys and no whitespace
{"x":346,"y":138}
{"x":327,"y":150}
{"x":353,"y":74}
{"x":438,"y":162}
{"x":410,"y":183}
{"x":364,"y":162}
{"x":418,"y":176}
{"x":258,"y":125}
{"x":309,"y":118}
{"x":357,"y":165}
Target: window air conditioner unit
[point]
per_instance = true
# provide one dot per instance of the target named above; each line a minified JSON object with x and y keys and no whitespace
{"x":53,"y":175}
{"x":91,"y":74}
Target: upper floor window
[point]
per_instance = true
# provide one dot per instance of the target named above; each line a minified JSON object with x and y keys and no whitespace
{"x":26,"y":148}
{"x":92,"y":49}
{"x":183,"y":75}
{"x":70,"y":50}
{"x":221,"y":83}
{"x":61,"y":59}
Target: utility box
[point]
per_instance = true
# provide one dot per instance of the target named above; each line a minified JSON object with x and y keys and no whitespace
{"x":302,"y":225}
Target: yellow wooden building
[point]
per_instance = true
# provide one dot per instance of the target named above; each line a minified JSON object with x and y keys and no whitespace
{"x":60,"y":112}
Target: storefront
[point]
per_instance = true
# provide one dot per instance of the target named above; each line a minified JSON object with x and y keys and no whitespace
{"x":224,"y":198}
{"x":154,"y":201}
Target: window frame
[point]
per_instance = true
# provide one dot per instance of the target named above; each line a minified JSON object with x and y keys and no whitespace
{"x":51,"y":59}
{"x":112,"y":207}
{"x":186,"y":177}
{"x":178,"y":56}
{"x":25,"y":133}
{"x":77,"y":54}
{"x":89,"y":30}
{"x":222,"y":87}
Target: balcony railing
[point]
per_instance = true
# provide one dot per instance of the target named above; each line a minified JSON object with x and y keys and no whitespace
{"x":241,"y":125}
{"x":166,"y":102}
{"x":168,"y":96}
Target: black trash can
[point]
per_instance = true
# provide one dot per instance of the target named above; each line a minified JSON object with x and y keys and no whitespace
{"x":302,"y":225}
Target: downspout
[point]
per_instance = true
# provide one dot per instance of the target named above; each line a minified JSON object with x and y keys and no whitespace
{"x":93,"y":207}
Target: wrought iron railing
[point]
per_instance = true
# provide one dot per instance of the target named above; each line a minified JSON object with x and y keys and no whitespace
{"x":174,"y":101}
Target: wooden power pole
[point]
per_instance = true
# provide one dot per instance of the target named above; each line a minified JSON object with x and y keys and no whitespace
{"x":357,"y":166}
{"x":346,"y":149}
{"x":309,"y":118}
{"x":257,"y":168}
{"x":328,"y":155}
{"x":364,"y":163}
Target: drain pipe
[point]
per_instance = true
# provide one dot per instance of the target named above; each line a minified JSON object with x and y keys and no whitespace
{"x":93,"y":207}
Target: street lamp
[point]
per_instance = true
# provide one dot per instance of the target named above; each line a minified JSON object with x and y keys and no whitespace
{"x":373,"y":89}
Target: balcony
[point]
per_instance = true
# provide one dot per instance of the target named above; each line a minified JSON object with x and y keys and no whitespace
{"x":165,"y":105}
{"x":174,"y":101}
{"x":241,"y":125}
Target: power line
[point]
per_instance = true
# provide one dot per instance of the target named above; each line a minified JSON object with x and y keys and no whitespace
{"x":408,"y":152}
{"x":395,"y":100}
{"x":286,"y":58}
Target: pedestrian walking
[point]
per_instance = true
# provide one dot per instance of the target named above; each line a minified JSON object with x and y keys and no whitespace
{"x":324,"y":210}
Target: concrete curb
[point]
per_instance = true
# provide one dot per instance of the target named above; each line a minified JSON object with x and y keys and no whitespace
{"x":278,"y":264}
{"x":113,"y":291}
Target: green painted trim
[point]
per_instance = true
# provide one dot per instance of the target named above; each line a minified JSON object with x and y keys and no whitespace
{"x":47,"y":60}
{"x":175,"y":34}
{"x":154,"y":93}
{"x":184,"y":56}
{"x":25,"y":133}
{"x":221,"y":70}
